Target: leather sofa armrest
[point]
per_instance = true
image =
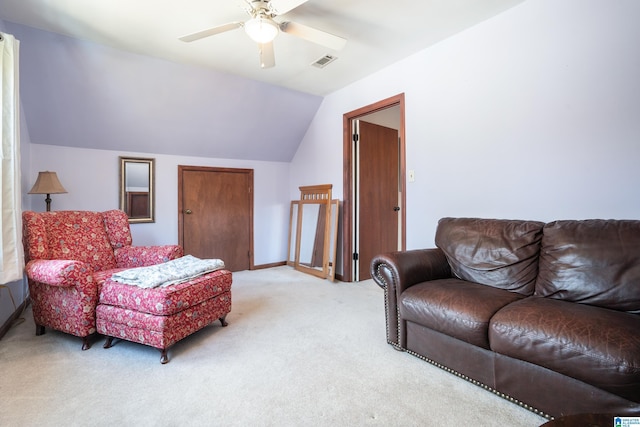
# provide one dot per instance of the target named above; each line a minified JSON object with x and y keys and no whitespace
{"x":61,"y":272}
{"x":396,"y":271}
{"x":144,"y":256}
{"x":400,"y":270}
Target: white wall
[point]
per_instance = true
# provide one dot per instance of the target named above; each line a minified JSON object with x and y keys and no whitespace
{"x":91,"y":178}
{"x":533,"y":114}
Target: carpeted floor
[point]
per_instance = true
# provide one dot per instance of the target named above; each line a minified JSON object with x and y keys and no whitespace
{"x":298,"y":351}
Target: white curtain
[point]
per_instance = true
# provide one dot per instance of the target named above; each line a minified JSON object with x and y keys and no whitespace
{"x":11,"y":253}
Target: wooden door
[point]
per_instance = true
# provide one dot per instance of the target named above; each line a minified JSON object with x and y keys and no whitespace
{"x":349,"y":218}
{"x":378,"y":195}
{"x":215,"y":217}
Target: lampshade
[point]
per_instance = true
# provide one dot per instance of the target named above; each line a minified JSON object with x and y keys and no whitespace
{"x":47,"y":183}
{"x":261,"y":29}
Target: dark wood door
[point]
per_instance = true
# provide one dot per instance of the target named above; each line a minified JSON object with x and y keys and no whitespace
{"x":378,"y":195}
{"x":216,"y":214}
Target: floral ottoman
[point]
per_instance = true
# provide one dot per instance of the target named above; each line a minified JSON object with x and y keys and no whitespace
{"x":161,"y":316}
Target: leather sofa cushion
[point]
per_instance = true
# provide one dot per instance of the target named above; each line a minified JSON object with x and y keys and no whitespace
{"x":594,"y":262}
{"x":592,"y":344}
{"x":493,"y":252}
{"x":454,"y":307}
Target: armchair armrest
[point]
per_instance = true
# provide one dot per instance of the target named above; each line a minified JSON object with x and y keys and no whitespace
{"x":396,"y":271}
{"x":60,"y":272}
{"x":143,"y":256}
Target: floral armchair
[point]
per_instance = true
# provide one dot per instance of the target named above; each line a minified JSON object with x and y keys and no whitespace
{"x":69,"y":254}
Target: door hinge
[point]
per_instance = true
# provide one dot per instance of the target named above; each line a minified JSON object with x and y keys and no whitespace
{"x":355,"y":256}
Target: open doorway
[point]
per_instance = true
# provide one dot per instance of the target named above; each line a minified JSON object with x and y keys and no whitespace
{"x":374,"y":215}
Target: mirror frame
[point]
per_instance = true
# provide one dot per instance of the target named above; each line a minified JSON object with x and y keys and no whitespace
{"x":149,"y":215}
{"x":293,"y":229}
{"x":316,"y":195}
{"x":333,"y":243}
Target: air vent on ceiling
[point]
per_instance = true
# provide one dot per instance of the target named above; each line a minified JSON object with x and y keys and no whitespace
{"x":324,"y":61}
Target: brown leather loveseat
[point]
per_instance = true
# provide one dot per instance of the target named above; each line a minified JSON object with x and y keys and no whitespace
{"x":545,"y":315}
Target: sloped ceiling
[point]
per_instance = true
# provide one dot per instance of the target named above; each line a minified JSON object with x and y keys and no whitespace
{"x":99,"y":68}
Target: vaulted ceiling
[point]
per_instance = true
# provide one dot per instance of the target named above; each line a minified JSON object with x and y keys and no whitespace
{"x":114,"y":74}
{"x":378,"y":32}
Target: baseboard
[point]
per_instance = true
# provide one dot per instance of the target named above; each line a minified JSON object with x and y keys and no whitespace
{"x":263,"y":266}
{"x":7,"y":325}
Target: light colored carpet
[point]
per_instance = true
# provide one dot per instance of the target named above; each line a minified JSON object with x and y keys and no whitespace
{"x":298,"y":351}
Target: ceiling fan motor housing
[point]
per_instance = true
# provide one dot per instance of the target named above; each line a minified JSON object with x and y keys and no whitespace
{"x":261,"y":8}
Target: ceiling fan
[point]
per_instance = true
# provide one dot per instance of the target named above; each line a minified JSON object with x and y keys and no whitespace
{"x":262,"y":28}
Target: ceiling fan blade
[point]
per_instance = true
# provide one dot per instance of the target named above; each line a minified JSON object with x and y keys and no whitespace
{"x":283,"y":6}
{"x":313,"y":35}
{"x":211,"y":31}
{"x":267,"y":57}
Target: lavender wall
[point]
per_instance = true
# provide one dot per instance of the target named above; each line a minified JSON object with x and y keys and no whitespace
{"x":86,"y":104}
{"x":86,"y":95}
{"x":533,"y":114}
{"x":91,"y":178}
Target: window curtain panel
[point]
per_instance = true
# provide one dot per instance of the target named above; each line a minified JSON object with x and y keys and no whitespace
{"x":11,"y":254}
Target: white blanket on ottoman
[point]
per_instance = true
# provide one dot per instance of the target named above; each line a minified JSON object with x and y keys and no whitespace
{"x":168,"y":273}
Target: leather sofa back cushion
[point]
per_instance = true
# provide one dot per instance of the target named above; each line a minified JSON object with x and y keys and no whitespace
{"x":594,"y":262}
{"x":494,"y":252}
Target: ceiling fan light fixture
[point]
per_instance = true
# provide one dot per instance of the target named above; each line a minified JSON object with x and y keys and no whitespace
{"x":261,"y":29}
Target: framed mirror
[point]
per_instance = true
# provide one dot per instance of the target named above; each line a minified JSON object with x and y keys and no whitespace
{"x":313,"y":232}
{"x":137,"y":193}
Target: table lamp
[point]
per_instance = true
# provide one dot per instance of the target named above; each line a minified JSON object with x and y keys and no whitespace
{"x":47,"y":183}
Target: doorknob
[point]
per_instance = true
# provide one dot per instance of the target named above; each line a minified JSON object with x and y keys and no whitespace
{"x":396,"y":208}
{"x":188,"y":211}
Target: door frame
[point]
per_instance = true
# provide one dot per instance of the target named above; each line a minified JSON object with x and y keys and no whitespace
{"x":248,"y":172}
{"x":347,"y":177}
